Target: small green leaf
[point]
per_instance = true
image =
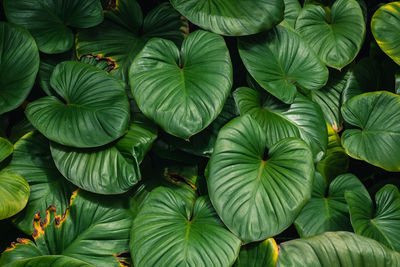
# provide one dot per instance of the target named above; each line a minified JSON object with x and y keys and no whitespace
{"x":261,"y":254}
{"x":14,"y":193}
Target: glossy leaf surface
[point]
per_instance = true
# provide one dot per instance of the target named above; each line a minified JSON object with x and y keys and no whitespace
{"x":14,"y":193}
{"x":261,"y":254}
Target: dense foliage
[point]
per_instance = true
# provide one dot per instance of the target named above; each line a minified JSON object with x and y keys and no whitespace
{"x":200,"y":133}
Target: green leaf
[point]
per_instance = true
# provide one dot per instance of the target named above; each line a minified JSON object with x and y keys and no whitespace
{"x":14,"y":193}
{"x":302,"y":118}
{"x":336,"y":249}
{"x":327,"y":209}
{"x":257,"y":189}
{"x":261,"y":254}
{"x":171,"y":230}
{"x":287,"y":62}
{"x":379,"y":221}
{"x":95,"y":229}
{"x":111,"y":169}
{"x":292,"y":11}
{"x":124,"y":32}
{"x":378,"y":116}
{"x":48,"y":21}
{"x":336,"y":161}
{"x":32,"y":160}
{"x":6,"y":149}
{"x":18,"y":67}
{"x":385,"y":26}
{"x":49,"y":261}
{"x":234,"y":17}
{"x":336,"y":34}
{"x":329,"y":98}
{"x":184,"y":90}
{"x":94,"y":109}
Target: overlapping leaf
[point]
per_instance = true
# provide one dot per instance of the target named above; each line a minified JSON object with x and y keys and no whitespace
{"x":261,"y":254}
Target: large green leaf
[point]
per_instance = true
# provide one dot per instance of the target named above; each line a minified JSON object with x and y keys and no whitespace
{"x":49,"y":261}
{"x":124,"y":32}
{"x":287,"y":62}
{"x":329,"y":98}
{"x":335,"y":250}
{"x":19,"y":65}
{"x":377,"y":142}
{"x":94,"y":109}
{"x":171,"y":230}
{"x":234,"y":17}
{"x":48,"y":20}
{"x":6,"y":149}
{"x":111,"y":169}
{"x":257,"y":189}
{"x":32,"y":160}
{"x":14,"y":193}
{"x":261,"y":254}
{"x":336,"y":161}
{"x":385,"y":26}
{"x":302,"y":118}
{"x":292,"y":11}
{"x":336,"y":34}
{"x":184,"y":90}
{"x":327,"y":209}
{"x":95,"y":229}
{"x":379,"y":221}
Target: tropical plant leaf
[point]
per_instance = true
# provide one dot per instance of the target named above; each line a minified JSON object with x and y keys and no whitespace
{"x":336,"y":161}
{"x":182,"y":91}
{"x":292,"y":11}
{"x":111,"y":169}
{"x":6,"y":149}
{"x":302,"y":118}
{"x":379,"y":221}
{"x":18,"y":67}
{"x":257,"y":189}
{"x":327,"y":209}
{"x":14,"y":194}
{"x":48,"y":21}
{"x":32,"y":160}
{"x":336,"y":34}
{"x":261,"y":254}
{"x":287,"y":62}
{"x":336,"y":249}
{"x":329,"y":98}
{"x":377,"y":115}
{"x":171,"y":230}
{"x":78,"y":236}
{"x":124,"y":32}
{"x":385,"y":25}
{"x":233,"y":18}
{"x":94,"y":109}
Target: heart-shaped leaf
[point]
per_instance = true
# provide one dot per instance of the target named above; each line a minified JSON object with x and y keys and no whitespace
{"x":182,"y":91}
{"x":385,"y":26}
{"x":48,"y":21}
{"x":14,"y":194}
{"x":32,"y":160}
{"x":94,"y":109}
{"x":124,"y":32}
{"x":336,"y":249}
{"x":261,"y":254}
{"x":302,"y":118}
{"x":95,"y":229}
{"x":18,"y":66}
{"x":111,"y":169}
{"x":256,"y":189}
{"x":327,"y":209}
{"x":336,"y":34}
{"x":379,"y":221}
{"x":234,"y":17}
{"x":287,"y":62}
{"x":49,"y":261}
{"x":378,"y":116}
{"x":171,"y":230}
